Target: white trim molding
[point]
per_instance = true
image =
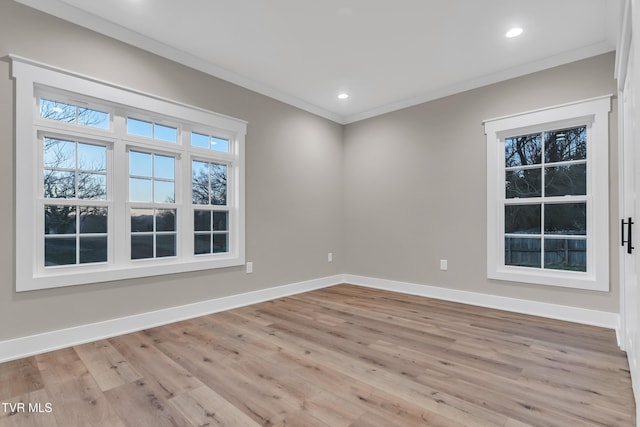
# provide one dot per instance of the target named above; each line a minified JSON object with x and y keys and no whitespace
{"x":62,"y":10}
{"x":54,"y":340}
{"x":593,"y":115}
{"x":552,"y":311}
{"x":33,"y":80}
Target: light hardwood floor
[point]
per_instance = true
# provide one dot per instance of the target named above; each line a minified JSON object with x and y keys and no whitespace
{"x":341,"y":356}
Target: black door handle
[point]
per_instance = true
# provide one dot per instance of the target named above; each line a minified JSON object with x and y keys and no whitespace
{"x":629,"y":240}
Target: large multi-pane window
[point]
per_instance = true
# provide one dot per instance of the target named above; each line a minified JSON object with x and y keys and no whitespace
{"x":74,"y":182}
{"x":152,"y":194}
{"x":545,"y":200}
{"x":123,"y":182}
{"x":210,"y":214}
{"x":547,"y":212}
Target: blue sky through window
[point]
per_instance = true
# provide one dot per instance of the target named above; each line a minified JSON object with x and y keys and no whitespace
{"x":151,"y":178}
{"x":210,"y":142}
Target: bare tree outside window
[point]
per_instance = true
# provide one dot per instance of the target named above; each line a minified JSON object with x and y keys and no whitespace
{"x":209,"y":184}
{"x":74,"y":171}
{"x":69,"y":113}
{"x":542,"y":166}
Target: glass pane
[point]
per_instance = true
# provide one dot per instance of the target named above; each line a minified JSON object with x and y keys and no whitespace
{"x":141,"y":247}
{"x":165,"y":220}
{"x":92,"y":158}
{"x":523,"y":183}
{"x":164,"y":167}
{"x":522,"y":219}
{"x":522,"y":252}
{"x":164,"y":192}
{"x":59,"y":220}
{"x":57,"y":111}
{"x":93,"y":219}
{"x":202,"y":220}
{"x":140,"y":190}
{"x":523,"y":150}
{"x":141,"y":220}
{"x":139,"y":127}
{"x":565,"y":180}
{"x":93,"y":249}
{"x":565,"y":218}
{"x":165,"y":133}
{"x":220,"y":144}
{"x":220,"y":243}
{"x":165,"y":245}
{"x":218,"y":184}
{"x":59,"y":251}
{"x":565,"y":254}
{"x":199,"y":140}
{"x":92,"y":186}
{"x":93,"y":118}
{"x":220,"y":220}
{"x":59,"y":185}
{"x":140,"y":164}
{"x":565,"y":145}
{"x":202,"y":244}
{"x":59,"y":154}
{"x":200,"y":183}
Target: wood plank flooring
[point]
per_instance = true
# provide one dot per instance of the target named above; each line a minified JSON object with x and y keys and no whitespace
{"x":341,"y":356}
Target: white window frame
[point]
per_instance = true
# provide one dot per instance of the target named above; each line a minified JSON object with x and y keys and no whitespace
{"x":594,"y":113}
{"x":32,"y":80}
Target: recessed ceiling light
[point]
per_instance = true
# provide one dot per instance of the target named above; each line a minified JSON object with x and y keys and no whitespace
{"x":343,"y":95}
{"x":514,"y":32}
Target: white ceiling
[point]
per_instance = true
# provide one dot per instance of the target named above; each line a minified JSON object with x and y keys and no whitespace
{"x":387,"y":54}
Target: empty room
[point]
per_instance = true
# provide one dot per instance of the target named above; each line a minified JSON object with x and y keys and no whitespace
{"x":319,"y":213}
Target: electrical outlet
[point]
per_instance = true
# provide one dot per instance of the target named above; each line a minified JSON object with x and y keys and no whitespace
{"x":249,"y":267}
{"x":443,"y":265}
{"x":330,"y":257}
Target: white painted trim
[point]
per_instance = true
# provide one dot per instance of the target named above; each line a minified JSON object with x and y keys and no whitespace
{"x":594,"y":113}
{"x":79,"y":17}
{"x":552,"y":311}
{"x":54,"y":340}
{"x":626,"y":338}
{"x":511,"y":73}
{"x":30,"y":76}
{"x":48,"y":341}
{"x":624,"y":45}
{"x":542,"y":110}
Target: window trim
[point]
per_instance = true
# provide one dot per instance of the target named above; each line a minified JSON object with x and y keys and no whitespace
{"x":594,"y":113}
{"x":33,"y":79}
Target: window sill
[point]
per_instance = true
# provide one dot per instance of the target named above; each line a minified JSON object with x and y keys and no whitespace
{"x":56,"y":278}
{"x":565,"y":279}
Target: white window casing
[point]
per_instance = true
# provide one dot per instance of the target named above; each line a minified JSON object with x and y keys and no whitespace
{"x":592,"y":113}
{"x":34,"y":81}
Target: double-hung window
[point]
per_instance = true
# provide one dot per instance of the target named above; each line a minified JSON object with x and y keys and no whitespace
{"x":114,"y":184}
{"x":547,"y":196}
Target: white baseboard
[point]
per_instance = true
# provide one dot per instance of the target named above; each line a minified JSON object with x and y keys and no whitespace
{"x":634,"y":369}
{"x":54,"y":340}
{"x":635,"y":381}
{"x":541,"y":309}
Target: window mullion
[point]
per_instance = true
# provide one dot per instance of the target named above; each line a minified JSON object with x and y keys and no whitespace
{"x":543,"y":192}
{"x":188,"y":210}
{"x":119,"y":194}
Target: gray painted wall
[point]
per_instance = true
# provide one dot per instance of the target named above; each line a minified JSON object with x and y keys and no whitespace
{"x":293,"y":176}
{"x":389,"y":196}
{"x":415,"y":185}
